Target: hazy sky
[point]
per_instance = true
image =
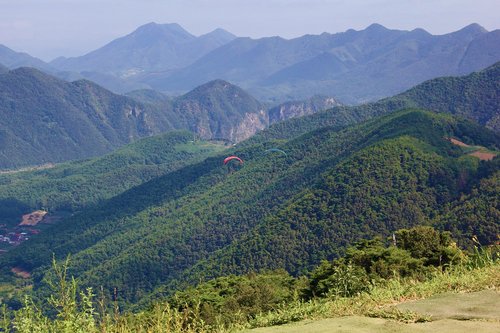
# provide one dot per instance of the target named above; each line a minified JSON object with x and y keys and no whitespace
{"x":50,"y":28}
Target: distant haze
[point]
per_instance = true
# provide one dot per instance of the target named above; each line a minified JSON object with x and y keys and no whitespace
{"x":51,"y":28}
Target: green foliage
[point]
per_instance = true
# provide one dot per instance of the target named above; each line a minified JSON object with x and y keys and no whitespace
{"x":338,"y":279}
{"x":44,"y":119}
{"x":74,"y":185}
{"x":477,"y":213}
{"x":232,"y":299}
{"x":369,"y":261}
{"x":254,"y":300}
{"x":437,"y":248}
{"x":200,"y":222}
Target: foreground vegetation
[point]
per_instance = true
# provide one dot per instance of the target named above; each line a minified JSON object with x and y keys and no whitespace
{"x":372,"y":277}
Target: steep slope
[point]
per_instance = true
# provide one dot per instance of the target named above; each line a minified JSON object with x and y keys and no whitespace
{"x":44,"y":119}
{"x":476,"y":96}
{"x":151,"y":47}
{"x":355,"y":66}
{"x":476,"y":216}
{"x":297,"y":109}
{"x":207,"y":220}
{"x":74,"y":185}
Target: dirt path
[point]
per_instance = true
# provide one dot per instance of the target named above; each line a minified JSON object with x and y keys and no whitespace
{"x":458,"y":143}
{"x":21,"y":273}
{"x":450,"y":313}
{"x":480,"y":153}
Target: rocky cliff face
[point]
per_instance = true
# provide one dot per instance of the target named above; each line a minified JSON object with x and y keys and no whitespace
{"x":301,"y":108}
{"x":220,"y":110}
{"x":249,"y":125}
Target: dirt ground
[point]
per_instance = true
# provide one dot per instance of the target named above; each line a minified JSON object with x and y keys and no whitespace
{"x":21,"y":273}
{"x":483,"y":156}
{"x":33,"y":218}
{"x":450,"y":313}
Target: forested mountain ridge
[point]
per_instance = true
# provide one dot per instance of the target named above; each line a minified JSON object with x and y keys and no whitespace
{"x":43,"y":130}
{"x":44,"y":119}
{"x":207,"y":220}
{"x":220,"y":110}
{"x":72,"y":186}
{"x":474,"y":96}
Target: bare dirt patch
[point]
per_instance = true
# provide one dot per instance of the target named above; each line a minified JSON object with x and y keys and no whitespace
{"x":477,"y":151}
{"x":458,"y":142}
{"x":21,"y":273}
{"x":33,"y":218}
{"x":483,"y":156}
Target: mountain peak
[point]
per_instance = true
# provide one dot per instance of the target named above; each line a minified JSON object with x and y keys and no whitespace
{"x":474,"y":27}
{"x":170,"y":30}
{"x":471,"y":29}
{"x":376,"y":27}
{"x":220,"y":33}
{"x":215,"y":85}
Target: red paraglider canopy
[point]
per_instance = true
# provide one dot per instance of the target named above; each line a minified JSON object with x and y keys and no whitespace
{"x":229,"y":158}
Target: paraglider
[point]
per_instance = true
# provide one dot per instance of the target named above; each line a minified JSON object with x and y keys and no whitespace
{"x":276,"y":150}
{"x":230,"y":165}
{"x":232,"y":157}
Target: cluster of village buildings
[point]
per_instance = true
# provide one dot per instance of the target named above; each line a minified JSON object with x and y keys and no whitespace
{"x":16,"y":236}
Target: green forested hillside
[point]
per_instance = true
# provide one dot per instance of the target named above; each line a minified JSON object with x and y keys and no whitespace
{"x":44,"y":119}
{"x":475,"y":97}
{"x":74,"y":185}
{"x":478,"y":212}
{"x":47,"y":120}
{"x":275,"y":211}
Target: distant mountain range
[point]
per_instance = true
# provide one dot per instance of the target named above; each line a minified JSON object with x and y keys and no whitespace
{"x":152,"y":47}
{"x":44,"y":119}
{"x":354,"y":66}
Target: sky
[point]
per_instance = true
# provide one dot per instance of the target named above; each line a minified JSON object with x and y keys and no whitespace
{"x":50,"y":28}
